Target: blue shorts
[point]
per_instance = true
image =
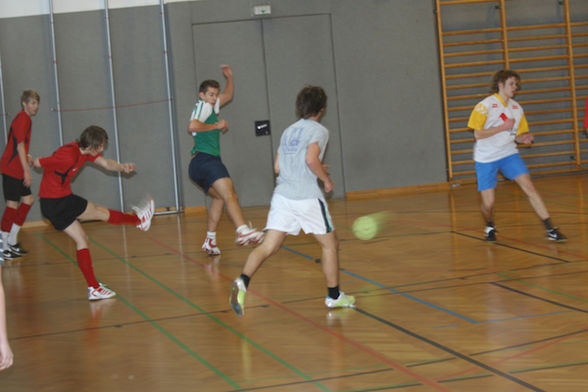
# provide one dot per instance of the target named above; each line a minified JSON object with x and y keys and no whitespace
{"x":511,"y":167}
{"x":205,"y":169}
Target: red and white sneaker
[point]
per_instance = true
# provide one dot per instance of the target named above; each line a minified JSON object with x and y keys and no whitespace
{"x":248,"y":236}
{"x":209,"y":246}
{"x":101,"y":292}
{"x":145,"y":215}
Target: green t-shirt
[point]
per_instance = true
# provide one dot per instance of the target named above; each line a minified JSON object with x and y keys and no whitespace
{"x":208,"y":142}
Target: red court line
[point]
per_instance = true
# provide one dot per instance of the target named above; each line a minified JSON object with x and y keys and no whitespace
{"x":110,"y":107}
{"x":509,"y":358}
{"x":315,"y":324}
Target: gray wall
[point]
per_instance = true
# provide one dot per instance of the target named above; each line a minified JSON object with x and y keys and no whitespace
{"x":385,"y":115}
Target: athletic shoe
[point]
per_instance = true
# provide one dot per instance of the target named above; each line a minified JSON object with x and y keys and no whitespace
{"x":237,"y":299}
{"x":344,"y":301}
{"x":490,"y":233}
{"x":145,"y":215}
{"x":16,"y":248}
{"x":101,"y":292}
{"x":249,"y":236}
{"x":9,"y":255}
{"x":555,"y":235}
{"x":209,"y":246}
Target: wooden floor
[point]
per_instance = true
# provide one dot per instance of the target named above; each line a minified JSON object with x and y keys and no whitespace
{"x":438,"y":308}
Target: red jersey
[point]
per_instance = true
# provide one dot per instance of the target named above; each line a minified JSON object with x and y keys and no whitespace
{"x":60,"y":168}
{"x":20,"y":132}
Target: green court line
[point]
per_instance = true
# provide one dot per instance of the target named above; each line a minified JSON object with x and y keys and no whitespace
{"x":546,"y":367}
{"x":155,"y":324}
{"x":213,"y":318}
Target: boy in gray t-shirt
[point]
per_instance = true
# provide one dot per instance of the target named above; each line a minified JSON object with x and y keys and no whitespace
{"x":298,"y":202}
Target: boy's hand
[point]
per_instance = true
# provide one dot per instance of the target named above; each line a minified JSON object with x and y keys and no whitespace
{"x":128,"y":167}
{"x":329,"y":185}
{"x":30,"y":159}
{"x":36,"y":163}
{"x":227,"y":71}
{"x":508,"y":124}
{"x":223,"y":126}
{"x":525,"y":138}
{"x":27,"y":181}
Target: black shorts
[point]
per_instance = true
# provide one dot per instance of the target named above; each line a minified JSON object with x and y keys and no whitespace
{"x":205,"y":169}
{"x":14,"y":188}
{"x":63,"y":211}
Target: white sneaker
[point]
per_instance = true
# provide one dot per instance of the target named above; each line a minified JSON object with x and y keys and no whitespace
{"x":344,"y":301}
{"x":249,"y":236}
{"x":145,"y":214}
{"x":209,"y":246}
{"x":237,"y":298}
{"x":101,"y":292}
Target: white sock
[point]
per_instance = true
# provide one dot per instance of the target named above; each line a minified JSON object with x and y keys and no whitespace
{"x":211,"y":234}
{"x":4,"y":240}
{"x":13,"y":235}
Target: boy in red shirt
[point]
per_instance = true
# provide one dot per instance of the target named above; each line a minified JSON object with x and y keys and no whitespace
{"x":16,"y":175}
{"x":63,"y":208}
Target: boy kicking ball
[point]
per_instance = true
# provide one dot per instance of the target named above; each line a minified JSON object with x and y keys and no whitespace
{"x":64,"y":209}
{"x":298,"y":202}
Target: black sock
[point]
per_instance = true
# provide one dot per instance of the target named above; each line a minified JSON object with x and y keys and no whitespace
{"x":490,"y":223}
{"x":334,"y":292}
{"x":245,"y":280}
{"x":547,"y":223}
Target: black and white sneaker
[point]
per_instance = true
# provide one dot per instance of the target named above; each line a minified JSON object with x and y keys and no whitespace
{"x":9,"y":255}
{"x":555,"y":235}
{"x":490,"y":232}
{"x":16,"y":248}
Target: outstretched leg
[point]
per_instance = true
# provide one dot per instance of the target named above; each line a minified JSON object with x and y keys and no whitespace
{"x":524,"y":181}
{"x":223,"y":189}
{"x":273,"y":240}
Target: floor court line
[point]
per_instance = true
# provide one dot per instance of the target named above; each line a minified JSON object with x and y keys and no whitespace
{"x":317,"y":325}
{"x":450,"y":351}
{"x":426,"y":303}
{"x":210,"y":316}
{"x":515,"y":356}
{"x":155,"y":324}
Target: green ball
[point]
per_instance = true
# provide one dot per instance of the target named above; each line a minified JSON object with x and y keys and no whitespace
{"x":365,"y":227}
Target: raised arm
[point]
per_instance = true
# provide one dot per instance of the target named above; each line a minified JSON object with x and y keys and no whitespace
{"x":227,"y":95}
{"x":316,"y":166}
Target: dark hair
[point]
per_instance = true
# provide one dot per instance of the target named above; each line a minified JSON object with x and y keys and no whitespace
{"x":310,"y":101}
{"x":502,"y":76}
{"x":93,"y":137}
{"x":27,"y":95}
{"x":208,"y":83}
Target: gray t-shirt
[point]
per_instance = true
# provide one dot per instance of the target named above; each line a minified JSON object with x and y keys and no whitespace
{"x":296,"y":181}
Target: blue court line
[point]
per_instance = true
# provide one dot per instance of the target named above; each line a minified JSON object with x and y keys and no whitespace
{"x":427,"y":303}
{"x":298,"y":253}
{"x":412,"y":297}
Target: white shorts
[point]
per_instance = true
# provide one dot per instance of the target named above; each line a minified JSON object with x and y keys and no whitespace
{"x":289,"y":216}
